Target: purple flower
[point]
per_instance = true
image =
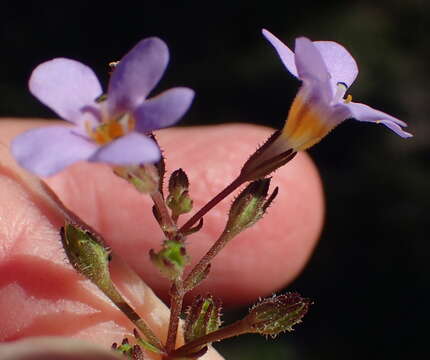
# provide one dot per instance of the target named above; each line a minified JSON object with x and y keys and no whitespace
{"x":110,"y":130}
{"x":326,"y":70}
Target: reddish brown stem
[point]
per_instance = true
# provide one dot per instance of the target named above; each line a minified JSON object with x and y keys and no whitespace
{"x":238,"y":328}
{"x":167,"y":224}
{"x":207,"y":258}
{"x":176,"y":301}
{"x":223,"y":194}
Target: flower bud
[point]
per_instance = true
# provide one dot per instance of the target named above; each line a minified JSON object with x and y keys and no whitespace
{"x":203,"y":317}
{"x":179,"y":200}
{"x":171,"y":259}
{"x":274,"y":315}
{"x":249,"y":206}
{"x":145,"y":178}
{"x":88,"y":256}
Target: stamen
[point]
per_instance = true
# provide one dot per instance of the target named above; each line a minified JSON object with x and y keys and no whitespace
{"x":348,"y":99}
{"x":111,"y":130}
{"x":340,"y":92}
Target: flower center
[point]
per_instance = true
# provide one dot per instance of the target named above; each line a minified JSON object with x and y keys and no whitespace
{"x":340,"y":93}
{"x":111,"y":129}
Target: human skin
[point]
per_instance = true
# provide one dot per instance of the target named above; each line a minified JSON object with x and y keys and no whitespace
{"x":41,"y":294}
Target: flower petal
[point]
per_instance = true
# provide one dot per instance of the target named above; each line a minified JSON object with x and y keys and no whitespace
{"x":163,"y":110}
{"x":309,"y":62}
{"x":340,"y":64}
{"x":48,"y":150}
{"x":66,"y":86}
{"x":131,"y":149}
{"x":311,"y":67}
{"x":284,"y":52}
{"x":137,"y":74}
{"x":362,"y":112}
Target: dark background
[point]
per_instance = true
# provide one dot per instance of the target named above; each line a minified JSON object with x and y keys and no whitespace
{"x":369,"y":273}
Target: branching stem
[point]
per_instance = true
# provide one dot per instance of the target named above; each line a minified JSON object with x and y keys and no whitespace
{"x":238,"y":328}
{"x":223,"y":194}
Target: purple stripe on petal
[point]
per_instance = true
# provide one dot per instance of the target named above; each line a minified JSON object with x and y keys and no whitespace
{"x":48,"y":150}
{"x":131,"y":149}
{"x":137,"y":74}
{"x":340,"y":64}
{"x":66,"y":86}
{"x":284,"y":52}
{"x":163,"y":110}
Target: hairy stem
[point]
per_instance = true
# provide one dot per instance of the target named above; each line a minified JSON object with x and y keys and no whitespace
{"x":128,"y":311}
{"x":167,"y":224}
{"x":223,"y":194}
{"x":238,"y":328}
{"x":207,"y":258}
{"x":176,"y":301}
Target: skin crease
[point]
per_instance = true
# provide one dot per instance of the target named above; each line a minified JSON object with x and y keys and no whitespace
{"x":40,"y":294}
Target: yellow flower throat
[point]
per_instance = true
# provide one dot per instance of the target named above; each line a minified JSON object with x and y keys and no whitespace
{"x":110,"y":130}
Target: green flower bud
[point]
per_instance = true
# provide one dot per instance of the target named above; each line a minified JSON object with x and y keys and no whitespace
{"x":179,"y":200}
{"x":274,"y":315}
{"x":249,"y":206}
{"x":90,"y":258}
{"x":171,"y":259}
{"x":87,"y":255}
{"x":203,"y":317}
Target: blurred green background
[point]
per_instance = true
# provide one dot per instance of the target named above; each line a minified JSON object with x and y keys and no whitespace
{"x":369,"y":273}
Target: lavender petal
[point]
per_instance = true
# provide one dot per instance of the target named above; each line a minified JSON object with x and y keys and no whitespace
{"x":66,"y":86}
{"x":163,"y":110}
{"x":131,"y":149}
{"x":362,"y":112}
{"x":136,"y":75}
{"x":311,"y":67}
{"x":340,"y":64}
{"x":284,"y":52}
{"x":309,"y":62}
{"x":48,"y":150}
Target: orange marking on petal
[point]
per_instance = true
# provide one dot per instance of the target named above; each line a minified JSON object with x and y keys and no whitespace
{"x":305,"y":125}
{"x":114,"y":130}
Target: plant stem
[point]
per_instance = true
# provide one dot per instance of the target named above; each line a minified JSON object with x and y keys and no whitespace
{"x":176,"y":301}
{"x":167,"y":224}
{"x":128,"y":311}
{"x":238,"y":328}
{"x":207,"y":258}
{"x":224,"y":193}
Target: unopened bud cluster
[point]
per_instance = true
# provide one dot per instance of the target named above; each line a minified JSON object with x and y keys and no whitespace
{"x":179,"y":200}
